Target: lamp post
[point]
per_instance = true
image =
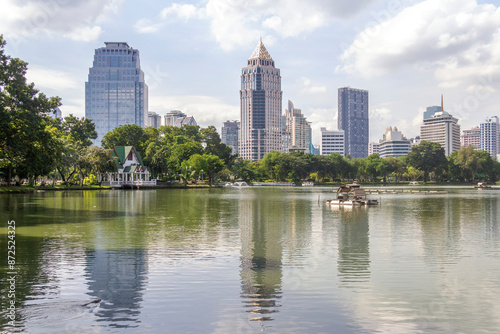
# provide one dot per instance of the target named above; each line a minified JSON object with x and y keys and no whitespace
{"x":202,"y":176}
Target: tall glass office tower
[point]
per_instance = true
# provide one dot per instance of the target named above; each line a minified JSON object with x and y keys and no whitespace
{"x":353,"y":119}
{"x":115,"y":93}
{"x":260,"y":106}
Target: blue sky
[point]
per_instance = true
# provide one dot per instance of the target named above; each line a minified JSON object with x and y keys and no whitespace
{"x":405,"y":53}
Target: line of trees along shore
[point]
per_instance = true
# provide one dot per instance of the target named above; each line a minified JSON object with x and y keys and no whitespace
{"x":34,"y":145}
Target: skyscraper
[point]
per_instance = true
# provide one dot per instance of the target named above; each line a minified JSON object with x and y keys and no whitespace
{"x":229,"y":134}
{"x":431,"y":111}
{"x":260,"y":106}
{"x":298,"y":127}
{"x":154,"y":120}
{"x":115,"y":93}
{"x":490,"y":136}
{"x":442,"y":128}
{"x":353,"y":119}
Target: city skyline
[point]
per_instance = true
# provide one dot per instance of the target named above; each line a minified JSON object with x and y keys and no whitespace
{"x":370,"y":45}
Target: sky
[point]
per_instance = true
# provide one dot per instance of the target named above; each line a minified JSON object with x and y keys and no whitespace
{"x":406,"y":53}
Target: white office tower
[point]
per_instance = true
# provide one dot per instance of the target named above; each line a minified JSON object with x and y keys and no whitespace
{"x":490,"y":136}
{"x":332,"y":142}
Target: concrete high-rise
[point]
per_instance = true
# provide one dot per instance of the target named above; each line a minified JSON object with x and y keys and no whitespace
{"x":229,"y":134}
{"x":299,"y":129}
{"x":154,"y":120}
{"x":353,"y":119}
{"x":332,"y":142}
{"x":471,"y":137}
{"x":116,"y":93}
{"x":394,"y":144}
{"x":442,"y":128}
{"x":490,"y":136}
{"x":260,"y":106}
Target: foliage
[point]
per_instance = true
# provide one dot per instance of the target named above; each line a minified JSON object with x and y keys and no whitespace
{"x":428,"y":157}
{"x":25,"y":141}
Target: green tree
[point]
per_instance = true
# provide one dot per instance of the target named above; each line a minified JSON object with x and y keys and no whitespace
{"x":73,"y":136}
{"x":25,"y":143}
{"x":126,"y":135}
{"x":80,"y":130}
{"x":213,"y":144}
{"x":243,"y":169}
{"x":428,"y":157}
{"x":208,"y":165}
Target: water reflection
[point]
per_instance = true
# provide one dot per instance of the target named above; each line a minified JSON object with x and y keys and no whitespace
{"x":353,"y":246}
{"x":261,"y":254}
{"x":118,"y":278}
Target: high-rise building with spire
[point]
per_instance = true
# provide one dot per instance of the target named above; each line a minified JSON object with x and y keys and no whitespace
{"x":116,"y":93}
{"x":442,"y":128}
{"x":260,"y":106}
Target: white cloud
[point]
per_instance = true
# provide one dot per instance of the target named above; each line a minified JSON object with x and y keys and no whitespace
{"x":185,"y":12}
{"x":309,"y":88}
{"x":321,"y":118}
{"x":50,"y":79}
{"x":205,"y":109}
{"x":84,"y":34}
{"x":236,"y":23}
{"x":145,"y":26}
{"x":76,"y":19}
{"x":457,"y":39}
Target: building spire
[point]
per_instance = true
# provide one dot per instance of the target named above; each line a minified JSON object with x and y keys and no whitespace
{"x":261,"y":52}
{"x":442,"y":109}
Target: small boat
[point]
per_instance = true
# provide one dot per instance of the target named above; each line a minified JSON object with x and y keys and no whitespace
{"x":414,"y":183}
{"x":482,"y":185}
{"x":307,"y":184}
{"x":351,"y":195}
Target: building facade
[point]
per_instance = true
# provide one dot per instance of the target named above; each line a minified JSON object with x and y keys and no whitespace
{"x":260,"y":106}
{"x":332,"y":142}
{"x":130,"y":170}
{"x":430,"y":111}
{"x":394,"y":144}
{"x":442,"y":128}
{"x":154,"y":120}
{"x":490,"y":136}
{"x":471,"y":137}
{"x":353,"y":119}
{"x":230,"y":135}
{"x":373,"y":148}
{"x":115,"y":93}
{"x":299,"y":129}
{"x":178,"y":118}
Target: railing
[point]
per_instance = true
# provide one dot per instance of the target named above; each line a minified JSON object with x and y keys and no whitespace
{"x":132,"y":183}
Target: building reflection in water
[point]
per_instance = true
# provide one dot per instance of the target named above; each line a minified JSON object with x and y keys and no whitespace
{"x":117,"y":277}
{"x":261,"y":252}
{"x":353,"y":245}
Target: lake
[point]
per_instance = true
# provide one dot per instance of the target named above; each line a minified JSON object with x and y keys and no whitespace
{"x":251,"y":260}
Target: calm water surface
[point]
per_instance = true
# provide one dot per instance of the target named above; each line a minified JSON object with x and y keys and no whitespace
{"x":251,"y":260}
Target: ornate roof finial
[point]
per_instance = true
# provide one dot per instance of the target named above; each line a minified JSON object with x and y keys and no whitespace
{"x":261,"y":52}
